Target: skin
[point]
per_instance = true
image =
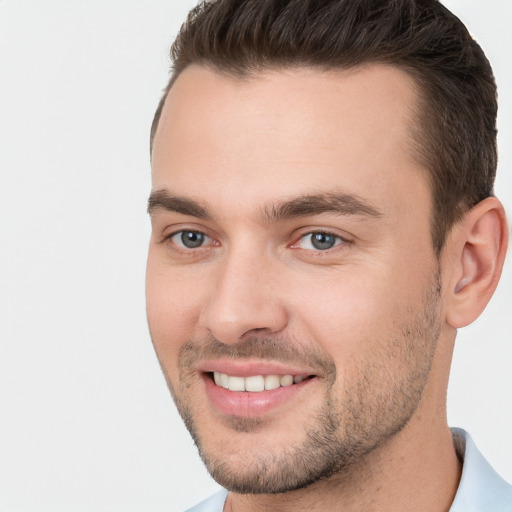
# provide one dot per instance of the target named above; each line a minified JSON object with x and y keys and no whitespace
{"x":373,"y":318}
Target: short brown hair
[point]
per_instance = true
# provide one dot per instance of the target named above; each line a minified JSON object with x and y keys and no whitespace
{"x":456,"y":130}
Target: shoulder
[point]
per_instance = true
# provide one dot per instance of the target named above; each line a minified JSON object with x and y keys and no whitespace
{"x":214,"y":503}
{"x":481,"y":489}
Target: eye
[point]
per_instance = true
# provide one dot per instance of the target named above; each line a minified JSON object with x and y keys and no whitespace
{"x":319,"y":241}
{"x":189,"y":239}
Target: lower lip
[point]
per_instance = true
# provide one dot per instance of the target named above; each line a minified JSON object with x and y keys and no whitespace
{"x":249,"y":404}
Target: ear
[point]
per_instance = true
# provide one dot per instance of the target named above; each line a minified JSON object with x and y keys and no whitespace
{"x":474,"y":255}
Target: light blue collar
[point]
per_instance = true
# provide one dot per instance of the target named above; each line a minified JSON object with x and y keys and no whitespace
{"x":481,"y":489}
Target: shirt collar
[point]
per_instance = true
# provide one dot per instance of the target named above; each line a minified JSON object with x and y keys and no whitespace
{"x":481,"y":489}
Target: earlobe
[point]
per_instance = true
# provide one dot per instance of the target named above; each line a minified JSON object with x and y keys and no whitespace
{"x":478,"y":246}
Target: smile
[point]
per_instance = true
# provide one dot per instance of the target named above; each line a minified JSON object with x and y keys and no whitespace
{"x":255,"y":383}
{"x":256,"y":389}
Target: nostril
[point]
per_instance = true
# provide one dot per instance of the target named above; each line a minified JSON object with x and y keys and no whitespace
{"x":257,"y":332}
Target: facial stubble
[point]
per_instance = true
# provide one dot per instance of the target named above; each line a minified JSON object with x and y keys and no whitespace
{"x":350,"y":424}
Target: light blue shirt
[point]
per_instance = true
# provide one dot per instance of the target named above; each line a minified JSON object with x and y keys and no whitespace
{"x":481,"y":489}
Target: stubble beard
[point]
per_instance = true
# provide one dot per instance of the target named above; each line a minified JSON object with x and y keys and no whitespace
{"x":346,"y":428}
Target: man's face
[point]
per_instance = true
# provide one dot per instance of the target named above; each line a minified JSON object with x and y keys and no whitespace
{"x":291,"y":243}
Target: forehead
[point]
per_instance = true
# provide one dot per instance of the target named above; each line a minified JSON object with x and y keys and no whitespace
{"x":288,"y":132}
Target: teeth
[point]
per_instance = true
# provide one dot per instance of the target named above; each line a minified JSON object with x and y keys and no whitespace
{"x":224,"y":380}
{"x":286,"y":380}
{"x":255,"y":383}
{"x":272,"y":382}
{"x":236,"y":384}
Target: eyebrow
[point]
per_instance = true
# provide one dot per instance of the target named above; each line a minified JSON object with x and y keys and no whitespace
{"x":340,"y":204}
{"x":302,"y":206}
{"x":163,"y":200}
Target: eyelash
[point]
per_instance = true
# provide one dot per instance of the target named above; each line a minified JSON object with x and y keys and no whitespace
{"x":317,"y":236}
{"x":180,"y":246}
{"x":320,"y":235}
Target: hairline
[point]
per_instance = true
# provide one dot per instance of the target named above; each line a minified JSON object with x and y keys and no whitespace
{"x":254,"y":71}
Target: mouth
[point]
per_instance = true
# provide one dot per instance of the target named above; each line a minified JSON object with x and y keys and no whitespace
{"x":255,"y":390}
{"x":256,"y":383}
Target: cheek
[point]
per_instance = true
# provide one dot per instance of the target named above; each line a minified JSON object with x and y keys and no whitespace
{"x":353,"y":316}
{"x":172,"y":307}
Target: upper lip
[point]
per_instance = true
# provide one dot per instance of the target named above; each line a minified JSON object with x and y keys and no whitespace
{"x":247,"y":368}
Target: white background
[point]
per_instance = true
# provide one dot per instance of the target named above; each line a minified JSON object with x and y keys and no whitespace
{"x":86,"y":421}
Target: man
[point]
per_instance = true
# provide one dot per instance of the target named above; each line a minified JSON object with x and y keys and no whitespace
{"x":323,"y":223}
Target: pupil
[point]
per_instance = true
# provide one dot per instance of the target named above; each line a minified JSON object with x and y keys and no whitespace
{"x":322,"y":241}
{"x":192,"y":239}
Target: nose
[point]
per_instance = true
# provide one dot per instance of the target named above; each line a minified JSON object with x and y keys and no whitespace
{"x":244,"y":300}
